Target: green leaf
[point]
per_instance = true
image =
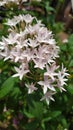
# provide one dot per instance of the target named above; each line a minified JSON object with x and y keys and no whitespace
{"x":32,"y":125}
{"x":51,"y":116}
{"x":7,"y":87}
{"x":29,"y":115}
{"x":70,"y":88}
{"x":43,"y":125}
{"x":48,"y":8}
{"x":63,"y":47}
{"x":70,"y":44}
{"x":16,"y":92}
{"x":37,"y":110}
{"x":1,"y":63}
{"x":71,"y":63}
{"x":46,"y":119}
{"x":64,"y":122}
{"x":55,"y":114}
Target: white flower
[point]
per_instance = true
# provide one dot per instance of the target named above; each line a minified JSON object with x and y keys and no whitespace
{"x":29,"y":54}
{"x":28,"y":18}
{"x":51,"y":71}
{"x":45,"y":36}
{"x":11,"y":22}
{"x":65,"y":40}
{"x":48,"y":96}
{"x":33,"y":44}
{"x":47,"y":84}
{"x":39,"y":63}
{"x":54,"y":51}
{"x":12,"y":38}
{"x":5,"y":54}
{"x":31,"y":88}
{"x":64,"y":71}
{"x":40,"y":52}
{"x":16,"y":19}
{"x":61,"y":81}
{"x":22,"y":71}
{"x":17,"y":54}
{"x":2,"y":3}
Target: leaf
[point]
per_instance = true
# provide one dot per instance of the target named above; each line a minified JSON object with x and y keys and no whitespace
{"x":37,"y":110}
{"x":29,"y":115}
{"x":7,"y":87}
{"x":63,"y":47}
{"x":70,"y":89}
{"x":47,"y":119}
{"x":16,"y":92}
{"x":64,"y":122}
{"x":48,"y":8}
{"x":1,"y":63}
{"x":70,"y":44}
{"x":43,"y":125}
{"x":32,"y":125}
{"x":71,"y":63}
{"x":55,"y":114}
{"x":51,"y":116}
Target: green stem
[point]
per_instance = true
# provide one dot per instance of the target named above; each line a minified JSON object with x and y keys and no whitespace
{"x":60,"y":3}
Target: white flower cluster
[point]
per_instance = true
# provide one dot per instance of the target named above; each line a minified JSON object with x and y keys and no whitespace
{"x":29,"y":41}
{"x":3,"y":2}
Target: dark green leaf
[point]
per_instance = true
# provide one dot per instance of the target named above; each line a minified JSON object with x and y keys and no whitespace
{"x":37,"y":110}
{"x":70,"y":88}
{"x":29,"y":115}
{"x":7,"y":87}
{"x":55,"y":114}
{"x":32,"y":125}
